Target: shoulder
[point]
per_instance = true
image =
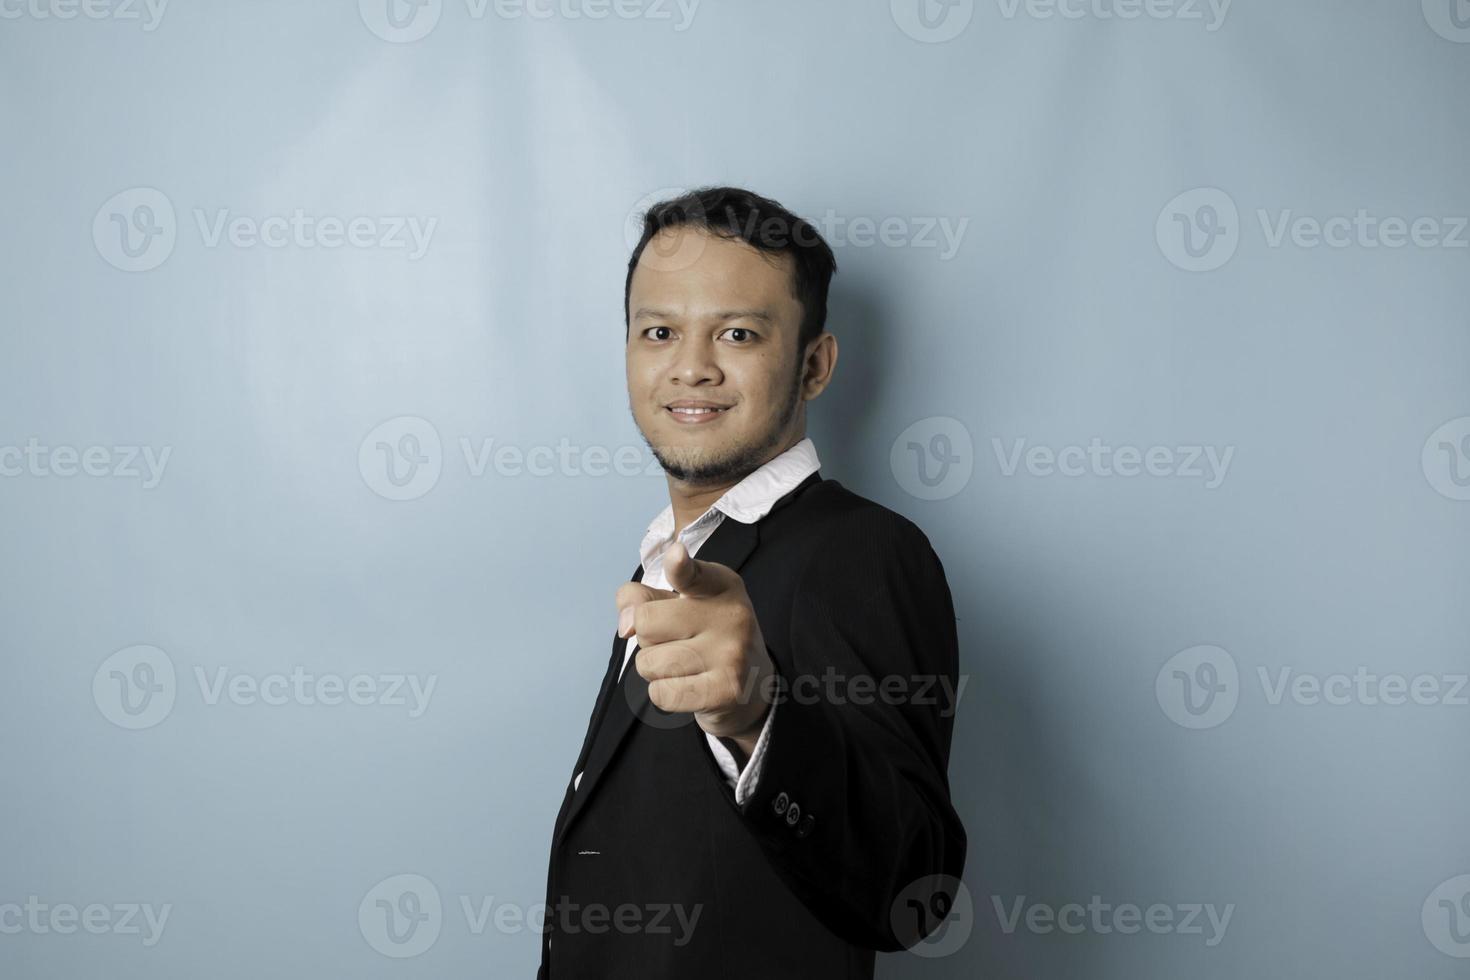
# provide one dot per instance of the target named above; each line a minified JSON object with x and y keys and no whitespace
{"x":827,"y":509}
{"x":846,"y":536}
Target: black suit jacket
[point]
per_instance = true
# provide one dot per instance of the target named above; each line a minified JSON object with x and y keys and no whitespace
{"x":849,"y":833}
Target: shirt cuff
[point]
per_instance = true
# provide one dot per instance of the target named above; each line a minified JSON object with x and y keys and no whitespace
{"x":743,"y":782}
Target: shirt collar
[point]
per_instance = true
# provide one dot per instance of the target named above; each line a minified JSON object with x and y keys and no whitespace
{"x":747,"y":501}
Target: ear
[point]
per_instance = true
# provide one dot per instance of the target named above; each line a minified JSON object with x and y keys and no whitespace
{"x":820,"y":361}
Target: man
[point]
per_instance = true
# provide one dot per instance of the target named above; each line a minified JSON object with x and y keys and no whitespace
{"x":761,"y":791}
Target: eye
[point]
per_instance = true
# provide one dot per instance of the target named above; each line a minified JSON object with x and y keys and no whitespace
{"x":741,"y":335}
{"x":664,"y":333}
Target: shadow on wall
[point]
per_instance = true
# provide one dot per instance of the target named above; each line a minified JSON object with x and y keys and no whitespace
{"x":1011,"y":758}
{"x":844,"y":422}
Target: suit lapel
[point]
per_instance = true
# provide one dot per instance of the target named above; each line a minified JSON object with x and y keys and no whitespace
{"x":599,"y":709}
{"x":730,"y":545}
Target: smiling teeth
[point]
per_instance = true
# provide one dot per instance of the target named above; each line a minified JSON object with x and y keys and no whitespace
{"x":697,"y":411}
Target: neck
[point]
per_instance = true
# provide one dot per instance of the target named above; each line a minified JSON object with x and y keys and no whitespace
{"x":690,"y":500}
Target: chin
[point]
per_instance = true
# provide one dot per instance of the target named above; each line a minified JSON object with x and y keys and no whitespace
{"x":700,"y":461}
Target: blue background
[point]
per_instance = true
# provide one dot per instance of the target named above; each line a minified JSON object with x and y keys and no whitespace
{"x":1070,"y":154}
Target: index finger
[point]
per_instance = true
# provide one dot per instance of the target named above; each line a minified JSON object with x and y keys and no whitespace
{"x":689,"y":576}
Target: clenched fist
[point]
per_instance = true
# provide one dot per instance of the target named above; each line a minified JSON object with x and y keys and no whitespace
{"x":699,"y":646}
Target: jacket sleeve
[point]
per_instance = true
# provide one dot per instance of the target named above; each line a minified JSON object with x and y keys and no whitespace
{"x":852,"y":805}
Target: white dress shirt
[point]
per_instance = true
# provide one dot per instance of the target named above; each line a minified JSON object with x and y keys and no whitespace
{"x":747,"y":502}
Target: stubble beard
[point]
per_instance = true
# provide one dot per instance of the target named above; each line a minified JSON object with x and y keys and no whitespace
{"x":698,"y":466}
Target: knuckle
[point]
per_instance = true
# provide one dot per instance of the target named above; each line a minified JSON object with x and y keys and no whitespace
{"x":739,"y":618}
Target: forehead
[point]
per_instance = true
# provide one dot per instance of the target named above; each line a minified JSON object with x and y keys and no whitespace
{"x":692,"y":273}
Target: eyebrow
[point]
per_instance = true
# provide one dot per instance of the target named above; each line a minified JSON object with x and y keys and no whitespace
{"x":646,"y":313}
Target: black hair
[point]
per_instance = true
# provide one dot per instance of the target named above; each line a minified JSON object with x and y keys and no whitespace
{"x":761,"y":223}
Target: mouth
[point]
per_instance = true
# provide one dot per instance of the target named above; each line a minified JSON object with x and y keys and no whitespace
{"x":690,"y":412}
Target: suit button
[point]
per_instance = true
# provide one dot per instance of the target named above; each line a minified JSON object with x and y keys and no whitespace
{"x":792,"y":815}
{"x":780,"y":803}
{"x":804,"y":828}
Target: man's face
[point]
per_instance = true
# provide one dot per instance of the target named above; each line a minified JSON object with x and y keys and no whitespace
{"x":714,"y":376}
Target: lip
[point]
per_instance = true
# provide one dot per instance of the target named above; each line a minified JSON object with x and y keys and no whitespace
{"x":701,"y":418}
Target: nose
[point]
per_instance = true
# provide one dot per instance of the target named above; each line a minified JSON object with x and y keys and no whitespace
{"x":694,"y":362}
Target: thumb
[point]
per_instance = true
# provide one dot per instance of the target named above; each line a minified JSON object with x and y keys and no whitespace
{"x":690,"y":577}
